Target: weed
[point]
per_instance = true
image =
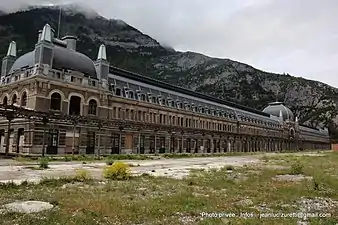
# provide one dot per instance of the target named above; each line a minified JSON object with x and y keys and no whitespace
{"x":109,"y":161}
{"x":296,"y":168}
{"x":82,"y":175}
{"x":43,"y":163}
{"x":117,"y":171}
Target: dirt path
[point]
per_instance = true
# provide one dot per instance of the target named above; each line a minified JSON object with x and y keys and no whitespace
{"x":176,"y":168}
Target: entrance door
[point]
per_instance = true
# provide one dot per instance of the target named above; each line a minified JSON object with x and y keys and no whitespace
{"x":188,"y":145}
{"x":172,"y":143}
{"x":142,"y":144}
{"x":90,"y":143}
{"x":115,"y":148}
{"x":162,"y":144}
{"x":208,"y":146}
{"x":53,"y":140}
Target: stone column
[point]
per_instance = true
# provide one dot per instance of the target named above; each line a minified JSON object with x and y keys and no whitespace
{"x":155,"y":143}
{"x":169,"y":145}
{"x":182,"y":143}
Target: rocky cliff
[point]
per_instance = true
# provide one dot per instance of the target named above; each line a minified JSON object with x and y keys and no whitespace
{"x":315,"y":103}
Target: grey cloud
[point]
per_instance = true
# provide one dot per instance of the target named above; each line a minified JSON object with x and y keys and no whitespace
{"x":295,"y":36}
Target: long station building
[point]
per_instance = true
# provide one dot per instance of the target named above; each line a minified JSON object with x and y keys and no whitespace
{"x":139,"y":114}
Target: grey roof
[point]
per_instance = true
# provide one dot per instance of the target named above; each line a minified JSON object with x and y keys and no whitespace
{"x":275,"y":107}
{"x":63,"y":59}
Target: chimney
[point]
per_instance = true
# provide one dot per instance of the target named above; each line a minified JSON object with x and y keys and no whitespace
{"x":9,"y":59}
{"x":71,"y":42}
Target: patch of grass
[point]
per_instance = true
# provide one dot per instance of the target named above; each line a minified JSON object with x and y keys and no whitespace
{"x":154,"y":200}
{"x":82,"y":175}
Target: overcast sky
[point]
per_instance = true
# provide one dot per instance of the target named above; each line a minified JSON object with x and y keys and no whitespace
{"x":299,"y":37}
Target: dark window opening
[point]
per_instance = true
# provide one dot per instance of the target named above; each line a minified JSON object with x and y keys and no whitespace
{"x":5,"y":101}
{"x":143,"y":97}
{"x":24,"y":99}
{"x":55,"y":101}
{"x":118,"y":92}
{"x":92,"y":107}
{"x":131,"y":95}
{"x":90,"y":143}
{"x":14,"y":99}
{"x":75,"y":106}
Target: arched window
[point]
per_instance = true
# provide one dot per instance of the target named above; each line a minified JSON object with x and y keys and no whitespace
{"x":92,"y":107}
{"x":5,"y":100}
{"x":143,"y":97}
{"x":14,"y":99}
{"x":55,"y":101}
{"x":24,"y":99}
{"x":75,"y":106}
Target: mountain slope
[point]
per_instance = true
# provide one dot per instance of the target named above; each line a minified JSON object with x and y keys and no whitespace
{"x":313,"y":102}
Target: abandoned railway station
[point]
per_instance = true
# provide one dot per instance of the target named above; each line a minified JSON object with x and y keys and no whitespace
{"x":55,"y":100}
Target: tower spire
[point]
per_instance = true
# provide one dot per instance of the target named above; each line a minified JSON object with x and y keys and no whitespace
{"x":102,"y":53}
{"x":12,"y":49}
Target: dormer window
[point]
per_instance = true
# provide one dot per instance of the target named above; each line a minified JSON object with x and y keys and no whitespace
{"x":118,"y":92}
{"x":164,"y":102}
{"x":93,"y":83}
{"x":178,"y":104}
{"x":149,"y":97}
{"x":131,"y":95}
{"x":143,"y":97}
{"x":172,"y":104}
{"x":72,"y":79}
{"x":153,"y":99}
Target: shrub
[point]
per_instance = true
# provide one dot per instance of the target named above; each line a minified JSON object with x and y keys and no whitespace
{"x":296,"y":168}
{"x":117,"y":171}
{"x":68,"y":158}
{"x":43,"y":163}
{"x":82,"y":175}
{"x":229,"y":167}
{"x":109,"y":161}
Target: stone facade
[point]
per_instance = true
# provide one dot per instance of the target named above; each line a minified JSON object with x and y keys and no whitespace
{"x":146,"y":116}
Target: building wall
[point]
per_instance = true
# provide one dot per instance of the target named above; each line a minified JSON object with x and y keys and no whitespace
{"x":167,"y":129}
